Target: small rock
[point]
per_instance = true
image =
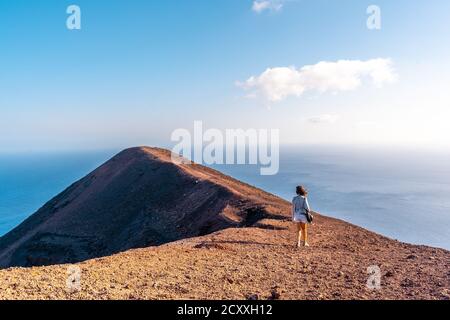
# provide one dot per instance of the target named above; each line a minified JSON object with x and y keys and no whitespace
{"x":407,"y":283}
{"x":274,"y":294}
{"x":253,"y":297}
{"x":389,"y":274}
{"x":411,"y":257}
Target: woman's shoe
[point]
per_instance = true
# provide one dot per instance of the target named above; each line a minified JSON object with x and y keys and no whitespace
{"x":306,"y":244}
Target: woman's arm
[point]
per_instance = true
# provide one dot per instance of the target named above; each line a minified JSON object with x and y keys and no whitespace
{"x":293,"y":210}
{"x":307,"y":205}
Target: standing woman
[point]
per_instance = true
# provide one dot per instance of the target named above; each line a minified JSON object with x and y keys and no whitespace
{"x":300,"y":208}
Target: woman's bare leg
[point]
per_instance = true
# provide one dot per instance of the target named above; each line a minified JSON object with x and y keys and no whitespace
{"x":299,"y":234}
{"x":304,"y":231}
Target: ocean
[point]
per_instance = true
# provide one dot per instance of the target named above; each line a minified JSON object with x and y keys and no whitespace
{"x":402,"y":194}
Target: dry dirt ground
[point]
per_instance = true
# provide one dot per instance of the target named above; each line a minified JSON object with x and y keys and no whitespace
{"x":249,"y":263}
{"x":247,"y":260}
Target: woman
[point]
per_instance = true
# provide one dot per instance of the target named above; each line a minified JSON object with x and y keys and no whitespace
{"x":300,"y":207}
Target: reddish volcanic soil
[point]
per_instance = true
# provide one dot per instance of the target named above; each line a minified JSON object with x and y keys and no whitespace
{"x":141,"y":227}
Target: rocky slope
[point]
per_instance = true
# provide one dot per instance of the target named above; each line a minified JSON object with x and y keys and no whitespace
{"x":200,"y":235}
{"x":137,"y":199}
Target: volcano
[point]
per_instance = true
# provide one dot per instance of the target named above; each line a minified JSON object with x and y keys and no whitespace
{"x":139,"y":198}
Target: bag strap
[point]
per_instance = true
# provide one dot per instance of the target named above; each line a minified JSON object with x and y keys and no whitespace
{"x":305,"y":207}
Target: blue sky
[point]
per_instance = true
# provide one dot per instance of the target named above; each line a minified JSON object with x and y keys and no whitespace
{"x":137,"y":70}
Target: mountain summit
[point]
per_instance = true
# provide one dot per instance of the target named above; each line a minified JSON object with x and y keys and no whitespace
{"x":139,"y":198}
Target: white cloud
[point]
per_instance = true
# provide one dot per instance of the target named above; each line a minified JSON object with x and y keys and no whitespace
{"x":276,"y":84}
{"x":367,"y":124}
{"x":324,"y":118}
{"x":271,"y":5}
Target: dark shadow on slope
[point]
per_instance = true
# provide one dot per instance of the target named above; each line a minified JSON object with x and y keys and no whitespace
{"x":135,"y":200}
{"x":268,"y":226}
{"x":217,"y":244}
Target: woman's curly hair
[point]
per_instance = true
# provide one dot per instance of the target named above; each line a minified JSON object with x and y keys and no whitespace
{"x":301,"y":191}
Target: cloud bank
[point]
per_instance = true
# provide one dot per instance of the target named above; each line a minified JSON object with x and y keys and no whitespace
{"x":270,"y":5}
{"x":276,"y":84}
{"x":324,"y":118}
